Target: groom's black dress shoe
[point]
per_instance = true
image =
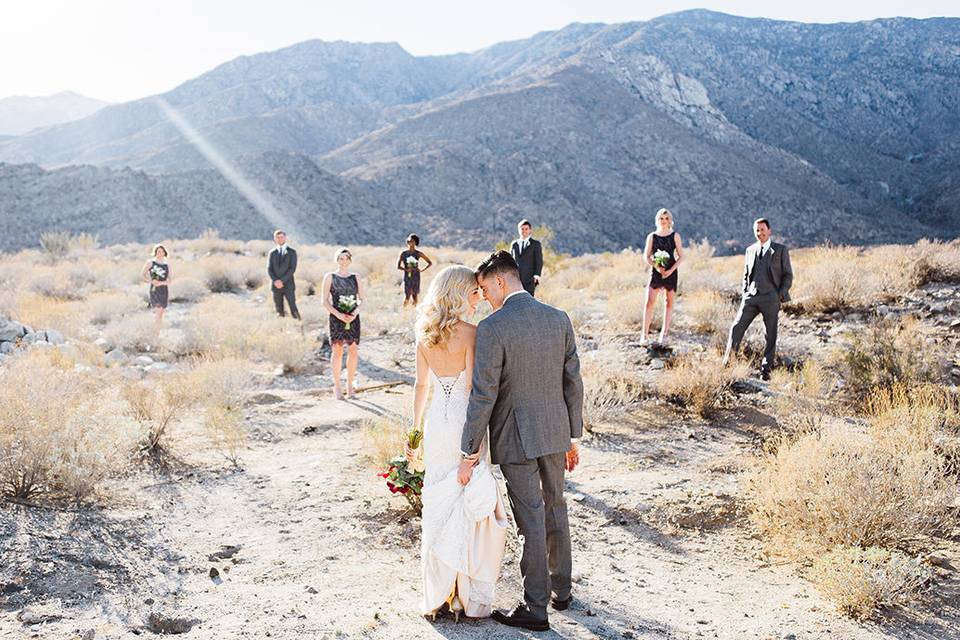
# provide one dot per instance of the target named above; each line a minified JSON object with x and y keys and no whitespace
{"x":561,"y":605}
{"x":521,"y":617}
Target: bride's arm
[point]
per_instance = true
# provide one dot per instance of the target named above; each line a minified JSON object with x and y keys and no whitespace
{"x":420,"y":392}
{"x":420,"y":388}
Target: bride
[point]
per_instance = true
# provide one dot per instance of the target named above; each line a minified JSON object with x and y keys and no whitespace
{"x":464,"y":526}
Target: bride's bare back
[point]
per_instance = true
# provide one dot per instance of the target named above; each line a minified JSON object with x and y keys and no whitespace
{"x":447,"y":360}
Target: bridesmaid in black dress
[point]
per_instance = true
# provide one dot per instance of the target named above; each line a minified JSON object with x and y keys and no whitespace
{"x":156,"y":271}
{"x":344,"y":324}
{"x":663,"y":272}
{"x":409,"y":263}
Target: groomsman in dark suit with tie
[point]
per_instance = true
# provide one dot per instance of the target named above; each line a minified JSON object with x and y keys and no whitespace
{"x":767,"y":277}
{"x":528,"y":255}
{"x":281,"y":265}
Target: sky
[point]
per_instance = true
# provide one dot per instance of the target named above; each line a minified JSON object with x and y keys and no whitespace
{"x":119,"y":50}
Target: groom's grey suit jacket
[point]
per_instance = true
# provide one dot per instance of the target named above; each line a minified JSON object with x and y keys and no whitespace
{"x":526,"y":383}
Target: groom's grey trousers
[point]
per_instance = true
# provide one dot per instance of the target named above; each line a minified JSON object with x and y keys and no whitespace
{"x":766,"y":305}
{"x":535,"y":489}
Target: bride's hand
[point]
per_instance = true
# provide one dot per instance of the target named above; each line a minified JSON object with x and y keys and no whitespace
{"x":411,"y":454}
{"x":464,"y":472}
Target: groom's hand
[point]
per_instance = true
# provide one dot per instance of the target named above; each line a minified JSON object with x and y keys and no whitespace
{"x":573,"y":456}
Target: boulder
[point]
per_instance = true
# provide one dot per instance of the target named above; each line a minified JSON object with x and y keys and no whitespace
{"x":11,"y":330}
{"x":143,"y":361}
{"x":7,"y":348}
{"x":54,"y":336}
{"x":115,"y":356}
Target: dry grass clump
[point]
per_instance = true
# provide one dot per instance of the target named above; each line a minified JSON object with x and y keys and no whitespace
{"x":223,"y":326}
{"x":156,"y":404}
{"x":609,"y":393}
{"x":625,"y":310}
{"x":222,"y":387}
{"x":701,"y":384}
{"x":384,"y":438}
{"x":842,"y":487}
{"x":187,"y":290}
{"x":844,"y":497}
{"x":223,"y":275}
{"x":708,"y":312}
{"x":104,"y":306}
{"x":861,"y":581}
{"x":62,"y":431}
{"x":823,"y":282}
{"x":933,"y":261}
{"x":40,"y":313}
{"x":807,"y":396}
{"x":884,"y":354}
{"x":132,"y":333}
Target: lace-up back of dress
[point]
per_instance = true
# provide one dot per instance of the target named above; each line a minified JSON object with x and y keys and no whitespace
{"x":444,"y":422}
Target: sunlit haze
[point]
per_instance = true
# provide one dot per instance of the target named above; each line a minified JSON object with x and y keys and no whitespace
{"x":116,"y":50}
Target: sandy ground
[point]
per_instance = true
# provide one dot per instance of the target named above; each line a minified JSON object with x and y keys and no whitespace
{"x":306,"y":542}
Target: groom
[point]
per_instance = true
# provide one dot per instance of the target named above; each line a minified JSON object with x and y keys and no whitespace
{"x":527,"y":391}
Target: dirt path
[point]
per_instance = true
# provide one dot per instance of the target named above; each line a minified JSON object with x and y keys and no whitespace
{"x":305,"y":541}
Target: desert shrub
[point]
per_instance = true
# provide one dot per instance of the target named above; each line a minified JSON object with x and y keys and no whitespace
{"x":222,"y":326}
{"x":843,"y":488}
{"x":625,"y":310}
{"x":861,"y":581}
{"x":708,"y":312}
{"x":253,"y":277}
{"x":823,"y":282}
{"x":102,"y":307}
{"x":132,"y":332}
{"x":86,"y":242}
{"x":40,"y":313}
{"x":54,"y":284}
{"x":806,"y":398}
{"x":932,"y":261}
{"x":187,"y":290}
{"x":887,"y":353}
{"x":222,"y":387}
{"x":222,"y":276}
{"x":700,"y":384}
{"x":384,"y":438}
{"x":55,"y":244}
{"x":609,"y":392}
{"x":156,"y":404}
{"x":62,"y":431}
{"x":702,"y":271}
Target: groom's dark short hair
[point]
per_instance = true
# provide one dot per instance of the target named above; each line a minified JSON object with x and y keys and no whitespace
{"x":762,"y":221}
{"x":498,"y":263}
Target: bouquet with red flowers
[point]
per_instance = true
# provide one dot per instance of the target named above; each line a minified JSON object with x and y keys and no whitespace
{"x":405,"y":477}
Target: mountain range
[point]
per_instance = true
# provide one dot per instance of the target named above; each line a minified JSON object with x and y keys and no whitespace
{"x":848,"y":133}
{"x":22,"y":114}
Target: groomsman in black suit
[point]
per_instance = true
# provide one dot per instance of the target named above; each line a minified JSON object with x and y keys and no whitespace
{"x":281,"y":266}
{"x":528,"y":255}
{"x":767,"y":277}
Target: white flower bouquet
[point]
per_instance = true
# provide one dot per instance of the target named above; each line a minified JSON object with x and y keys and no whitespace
{"x":348,"y":304}
{"x":661,"y":258}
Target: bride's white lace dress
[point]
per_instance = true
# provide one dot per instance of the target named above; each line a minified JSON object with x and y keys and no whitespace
{"x":464,"y":527}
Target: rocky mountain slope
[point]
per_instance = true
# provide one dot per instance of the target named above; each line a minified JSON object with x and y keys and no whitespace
{"x":845,"y":132}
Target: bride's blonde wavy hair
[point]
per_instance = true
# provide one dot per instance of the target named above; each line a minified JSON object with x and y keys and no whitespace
{"x":445,"y":305}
